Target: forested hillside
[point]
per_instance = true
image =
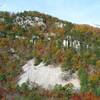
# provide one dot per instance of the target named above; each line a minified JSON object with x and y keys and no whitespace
{"x":52,"y":41}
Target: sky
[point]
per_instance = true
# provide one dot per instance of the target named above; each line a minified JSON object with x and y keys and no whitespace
{"x":76,"y":11}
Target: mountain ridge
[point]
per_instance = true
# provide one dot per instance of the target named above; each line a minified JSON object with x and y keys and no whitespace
{"x":18,"y":13}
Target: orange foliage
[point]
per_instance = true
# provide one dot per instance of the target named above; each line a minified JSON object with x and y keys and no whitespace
{"x":85,"y":96}
{"x":40,"y":48}
{"x":59,"y":56}
{"x":86,"y":28}
{"x":2,"y":27}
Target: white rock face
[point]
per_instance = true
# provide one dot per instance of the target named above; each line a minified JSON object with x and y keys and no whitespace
{"x":76,"y":44}
{"x":28,"y":20}
{"x":69,"y":42}
{"x":59,"y":24}
{"x":2,"y":19}
{"x":45,"y":76}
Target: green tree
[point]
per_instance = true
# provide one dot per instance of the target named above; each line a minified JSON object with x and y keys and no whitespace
{"x":68,"y":90}
{"x":2,"y":77}
{"x":83,"y":79}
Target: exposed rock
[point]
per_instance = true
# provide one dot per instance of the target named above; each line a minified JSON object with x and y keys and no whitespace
{"x":46,"y":76}
{"x":25,"y":21}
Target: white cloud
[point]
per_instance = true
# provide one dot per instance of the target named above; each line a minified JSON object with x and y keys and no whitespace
{"x":3,"y":5}
{"x":78,"y":17}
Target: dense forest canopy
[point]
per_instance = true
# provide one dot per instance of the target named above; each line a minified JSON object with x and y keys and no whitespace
{"x":52,"y":41}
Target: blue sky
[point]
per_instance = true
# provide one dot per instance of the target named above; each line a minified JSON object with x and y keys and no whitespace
{"x":76,"y":11}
